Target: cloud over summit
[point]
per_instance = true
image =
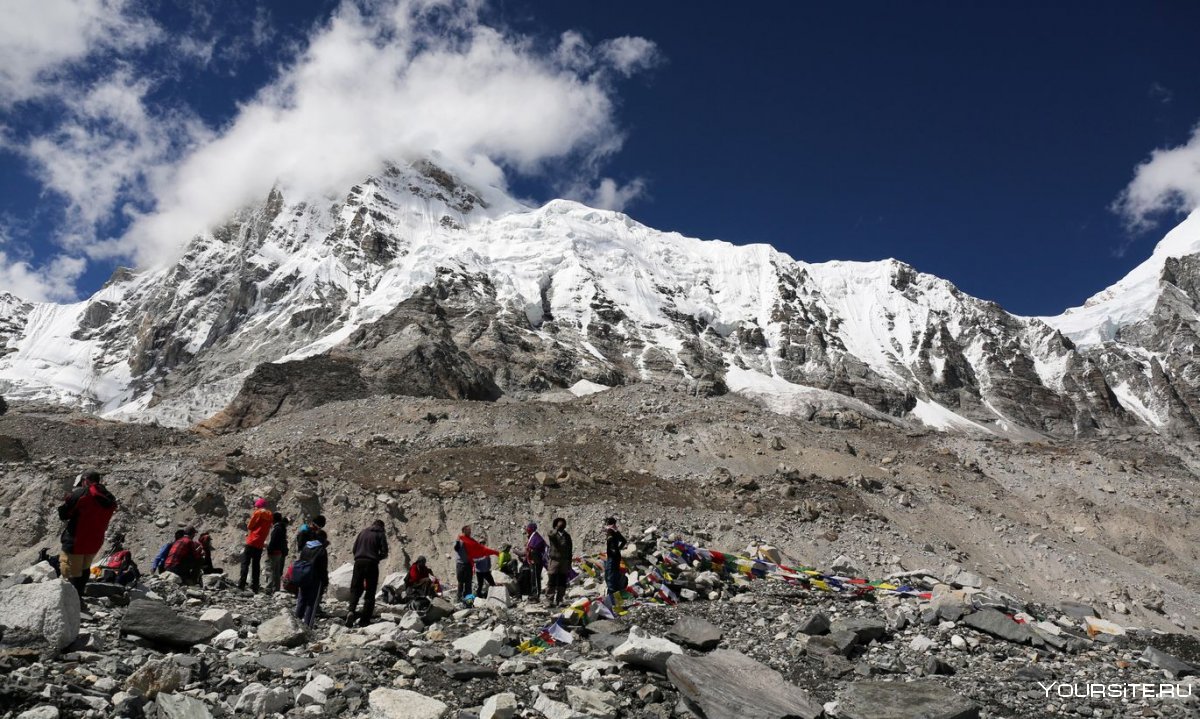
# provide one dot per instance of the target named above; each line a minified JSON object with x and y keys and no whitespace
{"x":379,"y":80}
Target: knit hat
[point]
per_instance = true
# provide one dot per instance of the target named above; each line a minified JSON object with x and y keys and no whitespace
{"x":260,"y":503}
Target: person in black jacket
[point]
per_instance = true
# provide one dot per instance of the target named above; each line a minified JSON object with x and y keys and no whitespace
{"x":562,"y":551}
{"x":277,"y":550}
{"x":613,"y":544}
{"x":370,"y":548}
{"x":308,"y":598}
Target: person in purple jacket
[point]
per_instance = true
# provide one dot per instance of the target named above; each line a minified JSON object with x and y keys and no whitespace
{"x":535,"y":556}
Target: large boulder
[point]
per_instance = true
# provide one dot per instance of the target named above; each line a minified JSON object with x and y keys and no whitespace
{"x":46,"y":612}
{"x":259,"y":700}
{"x":159,"y":623}
{"x":864,"y":630}
{"x":646,"y":651}
{"x":178,"y":706}
{"x":593,"y":703}
{"x":482,"y":643}
{"x":284,"y":630}
{"x":439,"y":609}
{"x":222,"y":619}
{"x":552,"y":709}
{"x":339,"y":582}
{"x":695,"y":633}
{"x":991,"y":621}
{"x":726,"y":683}
{"x":158,"y":676}
{"x":404,"y":704}
{"x":499,"y":706}
{"x":891,"y":700}
{"x":316,"y":691}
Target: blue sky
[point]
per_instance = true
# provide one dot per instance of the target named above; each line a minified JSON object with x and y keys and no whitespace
{"x":986,"y":145}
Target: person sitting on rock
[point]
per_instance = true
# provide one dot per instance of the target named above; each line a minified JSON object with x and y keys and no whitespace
{"x":258,"y":527}
{"x":277,"y":550}
{"x":505,"y":562}
{"x":118,"y":566}
{"x":310,"y":586}
{"x":466,"y":551}
{"x":185,"y":557}
{"x":160,"y":559}
{"x":420,"y":580}
{"x":87,"y":510}
{"x":561,"y":554}
{"x":370,"y":548}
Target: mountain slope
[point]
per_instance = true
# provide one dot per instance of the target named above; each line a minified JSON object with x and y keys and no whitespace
{"x":1144,"y":333}
{"x":415,"y":284}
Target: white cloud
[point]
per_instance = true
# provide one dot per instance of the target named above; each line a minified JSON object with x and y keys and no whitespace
{"x":38,"y":38}
{"x":629,"y":55}
{"x":53,"y":282}
{"x":381,"y":80}
{"x":609,"y":195}
{"x":393,"y":80}
{"x":104,"y":151}
{"x":1168,"y":181}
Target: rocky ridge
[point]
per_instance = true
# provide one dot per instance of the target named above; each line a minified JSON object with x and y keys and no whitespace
{"x":413,"y":270}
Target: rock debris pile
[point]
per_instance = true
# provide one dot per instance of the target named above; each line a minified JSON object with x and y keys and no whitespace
{"x":699,"y":634}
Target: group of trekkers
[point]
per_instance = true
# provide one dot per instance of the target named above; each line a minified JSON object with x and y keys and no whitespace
{"x":89,"y":506}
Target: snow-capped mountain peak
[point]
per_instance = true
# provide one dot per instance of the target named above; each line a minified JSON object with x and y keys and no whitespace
{"x":414,"y":283}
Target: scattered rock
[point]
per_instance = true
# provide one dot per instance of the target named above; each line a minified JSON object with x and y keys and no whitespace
{"x":890,"y":700}
{"x":404,"y":704}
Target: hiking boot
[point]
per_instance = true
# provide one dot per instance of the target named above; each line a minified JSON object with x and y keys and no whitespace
{"x":350,"y":617}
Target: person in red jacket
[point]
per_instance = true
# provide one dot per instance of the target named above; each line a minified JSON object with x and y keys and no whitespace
{"x":87,"y":510}
{"x":185,"y":557}
{"x":467,"y":550}
{"x":258,"y":529}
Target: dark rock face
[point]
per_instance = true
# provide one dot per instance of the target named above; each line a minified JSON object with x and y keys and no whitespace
{"x":726,"y":683}
{"x":159,"y":623}
{"x":12,"y":450}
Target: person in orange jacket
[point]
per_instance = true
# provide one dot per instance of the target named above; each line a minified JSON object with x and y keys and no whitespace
{"x":466,"y":551}
{"x":258,"y":529}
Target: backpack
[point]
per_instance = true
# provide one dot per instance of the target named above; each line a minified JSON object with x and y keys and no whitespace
{"x":298,"y":574}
